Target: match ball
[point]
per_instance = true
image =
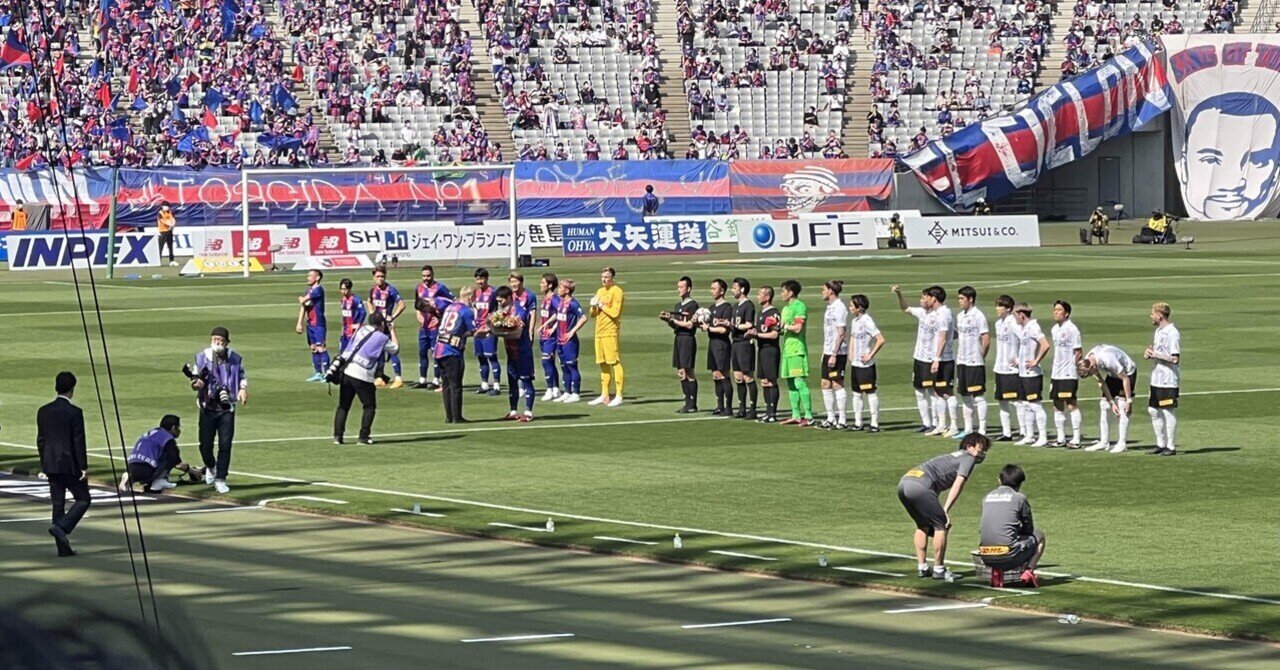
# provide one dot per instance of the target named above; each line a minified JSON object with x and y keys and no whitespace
{"x":702,"y":316}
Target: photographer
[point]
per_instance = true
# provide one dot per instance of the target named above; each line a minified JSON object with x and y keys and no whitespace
{"x":154,"y":455}
{"x":361,"y":358}
{"x":1159,"y":229}
{"x":220,"y":384}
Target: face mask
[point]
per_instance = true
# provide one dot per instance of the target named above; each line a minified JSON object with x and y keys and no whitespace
{"x":219,"y":349}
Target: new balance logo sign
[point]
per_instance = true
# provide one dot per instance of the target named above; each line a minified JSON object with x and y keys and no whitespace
{"x":54,"y":250}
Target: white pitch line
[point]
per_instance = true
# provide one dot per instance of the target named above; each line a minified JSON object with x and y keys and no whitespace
{"x":127,"y":310}
{"x":869,"y":571}
{"x":1015,"y":592}
{"x":740,"y":555}
{"x":409,"y":511}
{"x":752,"y":622}
{"x":34,"y":518}
{"x":518,"y":638}
{"x":85,"y":284}
{"x":608,"y":538}
{"x":289,"y":651}
{"x":937,"y":608}
{"x":263,"y":503}
{"x":534,"y":529}
{"x":239,"y":508}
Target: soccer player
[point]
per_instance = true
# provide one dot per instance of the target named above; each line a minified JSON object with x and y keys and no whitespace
{"x":684,"y":350}
{"x":311,"y":311}
{"x":1008,"y":537}
{"x":432,"y":298}
{"x":485,"y":343}
{"x":918,"y":492}
{"x":385,"y":300}
{"x":1008,"y":385}
{"x":547,"y":334}
{"x":457,"y":323}
{"x":744,"y":350}
{"x":719,"y":349}
{"x":795,"y":355}
{"x":1117,"y":391}
{"x":934,"y":360}
{"x":1065,"y":378}
{"x":353,"y":312}
{"x":973,"y":340}
{"x":766,"y":333}
{"x":1033,"y":346}
{"x":520,"y":294}
{"x":865,"y":341}
{"x":1166,"y":353}
{"x":519,"y":354}
{"x":606,"y":309}
{"x":569,"y":319}
{"x":835,"y":356}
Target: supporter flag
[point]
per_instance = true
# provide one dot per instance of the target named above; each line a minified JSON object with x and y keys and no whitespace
{"x":95,"y":68}
{"x":166,"y":5}
{"x":138,"y":104}
{"x":120,"y":130}
{"x":27,"y":163}
{"x":172,"y":86}
{"x":280,"y":142}
{"x":115,"y":102}
{"x":133,"y":80}
{"x":228,"y":141}
{"x":201,"y":133}
{"x":104,"y":94}
{"x":283,"y":98}
{"x":75,"y":158}
{"x":297,"y":72}
{"x":14,"y":53}
{"x":213,"y":99}
{"x":188,"y":142}
{"x":255,"y":113}
{"x":58,"y":66}
{"x":229,"y":10}
{"x":33,"y":111}
{"x":177,"y":114}
{"x":209,"y":119}
{"x":258,"y":31}
{"x":234,"y":108}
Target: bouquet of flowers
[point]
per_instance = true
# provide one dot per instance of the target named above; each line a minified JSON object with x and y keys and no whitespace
{"x":504,"y":324}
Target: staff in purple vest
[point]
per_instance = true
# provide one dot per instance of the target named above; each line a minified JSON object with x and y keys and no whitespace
{"x":220,"y":383}
{"x":363,"y":356}
{"x":155,"y":455}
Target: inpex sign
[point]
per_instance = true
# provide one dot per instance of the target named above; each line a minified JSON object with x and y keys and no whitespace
{"x":56,"y":250}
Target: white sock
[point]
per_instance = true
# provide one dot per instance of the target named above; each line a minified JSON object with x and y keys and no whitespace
{"x":1060,"y":422}
{"x":1006,"y":428}
{"x":980,"y":408}
{"x":1157,"y":425}
{"x":952,"y":406}
{"x":1042,"y":419}
{"x":1076,"y":417}
{"x":874,"y":399}
{"x":1104,"y":420}
{"x":484,"y":386}
{"x":829,"y":401}
{"x":1025,"y":427}
{"x":939,"y":412}
{"x":857,"y":408}
{"x":1171,"y":429}
{"x":1124,"y":422}
{"x":842,"y":402}
{"x":966,"y":409}
{"x":922,"y":405}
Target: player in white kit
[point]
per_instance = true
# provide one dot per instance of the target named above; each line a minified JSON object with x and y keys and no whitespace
{"x":973,"y":340}
{"x":865,"y":341}
{"x":1065,"y":378}
{"x":1033,"y":346}
{"x":1005,"y":367}
{"x":1166,"y":353}
{"x":1117,"y":377}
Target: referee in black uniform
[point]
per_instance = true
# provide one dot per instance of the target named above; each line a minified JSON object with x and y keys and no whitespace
{"x":684,"y":352}
{"x":744,"y":350}
{"x":719,"y":348}
{"x":768,"y":351}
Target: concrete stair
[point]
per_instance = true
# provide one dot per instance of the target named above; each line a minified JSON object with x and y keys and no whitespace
{"x":674,"y":99}
{"x":488,"y":103}
{"x":858,"y":101}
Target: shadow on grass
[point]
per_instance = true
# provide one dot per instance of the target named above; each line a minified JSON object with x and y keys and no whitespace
{"x":1206,"y":450}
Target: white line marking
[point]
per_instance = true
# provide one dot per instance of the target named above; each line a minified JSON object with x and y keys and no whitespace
{"x":608,"y":538}
{"x":409,"y":511}
{"x":937,"y":608}
{"x":534,"y":529}
{"x":752,"y":622}
{"x":85,"y":285}
{"x":869,"y":572}
{"x":289,"y":651}
{"x":1017,"y":283}
{"x":517,"y":638}
{"x":738,"y":555}
{"x":127,"y":310}
{"x":1016,"y":592}
{"x":34,"y":518}
{"x":263,"y":503}
{"x":243,"y":508}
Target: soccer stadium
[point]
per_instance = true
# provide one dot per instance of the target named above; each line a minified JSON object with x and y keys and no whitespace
{"x":639,"y":333}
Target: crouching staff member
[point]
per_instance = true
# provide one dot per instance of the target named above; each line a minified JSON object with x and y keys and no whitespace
{"x":220,"y":383}
{"x":154,"y":456}
{"x":363,"y":355}
{"x":918,"y":491}
{"x":1008,"y":537}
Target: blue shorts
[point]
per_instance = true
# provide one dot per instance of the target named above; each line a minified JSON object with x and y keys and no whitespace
{"x":569,"y":350}
{"x":315,"y":334}
{"x":549,"y":347}
{"x":427,"y":342}
{"x":486,"y":346}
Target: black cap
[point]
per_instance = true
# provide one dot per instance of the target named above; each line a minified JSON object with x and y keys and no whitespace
{"x":219,"y":331}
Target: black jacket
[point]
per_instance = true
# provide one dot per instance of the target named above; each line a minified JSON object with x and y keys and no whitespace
{"x":60,"y":438}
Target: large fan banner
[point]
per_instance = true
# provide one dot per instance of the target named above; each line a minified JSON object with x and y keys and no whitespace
{"x":1226,"y":124}
{"x":1064,"y":122}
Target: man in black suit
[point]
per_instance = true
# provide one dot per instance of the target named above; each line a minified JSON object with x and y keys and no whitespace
{"x":63,"y":458}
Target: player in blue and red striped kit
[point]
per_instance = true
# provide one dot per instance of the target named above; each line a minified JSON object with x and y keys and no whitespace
{"x":384,"y":299}
{"x":547,"y":334}
{"x":569,"y":320}
{"x":432,"y":299}
{"x":486,"y":345}
{"x":519,"y":354}
{"x":353,"y":312}
{"x":311,"y":322}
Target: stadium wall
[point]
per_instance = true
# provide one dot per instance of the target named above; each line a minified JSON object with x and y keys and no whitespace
{"x":1132,"y":170}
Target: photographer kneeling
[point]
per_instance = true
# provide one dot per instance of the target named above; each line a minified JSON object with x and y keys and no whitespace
{"x":357,"y":367}
{"x":155,"y":455}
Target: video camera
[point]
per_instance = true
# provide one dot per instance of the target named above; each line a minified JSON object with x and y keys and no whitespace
{"x":213,"y":397}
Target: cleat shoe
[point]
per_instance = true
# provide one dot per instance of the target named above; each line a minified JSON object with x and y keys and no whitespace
{"x":770,"y":418}
{"x":1028,"y":577}
{"x":494,"y":393}
{"x":944,"y":574}
{"x":317,"y":377}
{"x":1169,"y":452}
{"x":938,"y":430}
{"x":857,"y":427}
{"x":511,"y":416}
{"x":873,"y":429}
{"x":431,"y":386}
{"x":687,"y":410}
{"x":365,"y":441}
{"x":221,"y":487}
{"x":717,"y":411}
{"x":1119,"y":448}
{"x":842,"y":426}
{"x":789,"y":422}
{"x":1157,"y":451}
{"x":600,"y":400}
{"x":549,"y":396}
{"x":1059,"y":443}
{"x":337,"y":439}
{"x":1074,"y":444}
{"x":396,"y":383}
{"x":750,"y":415}
{"x":805,"y":423}
{"x":923,"y":572}
{"x":1004,"y":438}
{"x":162,"y":485}
{"x":1040,"y":442}
{"x":570,"y":398}
{"x":482,"y":391}
{"x":738,"y":414}
{"x":616,"y":402}
{"x":1025,"y":441}
{"x":380,"y":382}
{"x":826,"y":424}
{"x":1100,"y":445}
{"x":925,"y":429}
{"x":526,"y":418}
{"x":951,"y":433}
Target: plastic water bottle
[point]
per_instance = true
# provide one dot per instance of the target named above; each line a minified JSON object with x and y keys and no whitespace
{"x":417,"y":508}
{"x":551,"y":526}
{"x":678,"y":543}
{"x":822,"y":560}
{"x":1069,"y":619}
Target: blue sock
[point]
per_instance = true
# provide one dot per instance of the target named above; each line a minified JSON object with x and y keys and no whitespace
{"x":513,"y":392}
{"x":315,"y":361}
{"x":549,"y":370}
{"x":324,"y":361}
{"x":493,"y":365}
{"x":484,"y":369}
{"x":572,"y":378}
{"x":526,"y":388}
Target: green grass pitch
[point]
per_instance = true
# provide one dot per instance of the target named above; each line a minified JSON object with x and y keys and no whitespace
{"x":1133,"y":537}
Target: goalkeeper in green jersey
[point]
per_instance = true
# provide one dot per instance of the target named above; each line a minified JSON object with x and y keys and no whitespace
{"x":795,"y":355}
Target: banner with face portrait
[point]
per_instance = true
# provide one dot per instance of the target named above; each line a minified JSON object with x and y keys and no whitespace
{"x":1226,"y":123}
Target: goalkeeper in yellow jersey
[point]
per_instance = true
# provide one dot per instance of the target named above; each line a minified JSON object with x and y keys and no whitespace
{"x":606,"y":309}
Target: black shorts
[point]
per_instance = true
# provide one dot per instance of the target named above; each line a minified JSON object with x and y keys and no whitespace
{"x":1031,"y":388}
{"x":1008,"y":387}
{"x":923,"y":377}
{"x":141,"y":474}
{"x":744,"y":357}
{"x":1064,"y":389}
{"x":684,"y":353}
{"x":1115,"y":385}
{"x":718,"y":354}
{"x":1019,"y":553}
{"x":864,"y":379}
{"x":834,"y":372}
{"x":770,"y":359}
{"x":971,"y":380}
{"x":1163,"y":398}
{"x":922,"y":504}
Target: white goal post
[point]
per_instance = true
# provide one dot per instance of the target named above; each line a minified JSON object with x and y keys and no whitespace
{"x":248,"y":175}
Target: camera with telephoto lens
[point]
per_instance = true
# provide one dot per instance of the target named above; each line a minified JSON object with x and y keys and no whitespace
{"x":215,"y":398}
